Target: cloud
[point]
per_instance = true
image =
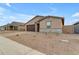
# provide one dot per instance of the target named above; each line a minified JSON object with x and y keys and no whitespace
{"x":74,"y":20}
{"x":53,"y":9}
{"x":20,"y":17}
{"x":12,"y":17}
{"x":8,"y":4}
{"x":50,"y":11}
{"x":2,"y":11}
{"x":7,"y":16}
{"x":76,"y":17}
{"x":76,"y":14}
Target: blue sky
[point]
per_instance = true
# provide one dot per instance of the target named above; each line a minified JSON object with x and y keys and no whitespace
{"x":22,"y":12}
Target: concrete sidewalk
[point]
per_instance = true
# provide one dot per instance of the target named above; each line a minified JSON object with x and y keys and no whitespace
{"x":9,"y":47}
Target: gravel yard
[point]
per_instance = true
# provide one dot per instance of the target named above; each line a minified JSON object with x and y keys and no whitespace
{"x":10,"y":47}
{"x":48,"y":43}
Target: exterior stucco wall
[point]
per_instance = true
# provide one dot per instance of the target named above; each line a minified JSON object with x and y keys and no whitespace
{"x":68,"y":29}
{"x":56,"y":25}
{"x":21,"y":28}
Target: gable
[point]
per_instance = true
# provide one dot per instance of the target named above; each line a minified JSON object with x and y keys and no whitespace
{"x":35,"y":19}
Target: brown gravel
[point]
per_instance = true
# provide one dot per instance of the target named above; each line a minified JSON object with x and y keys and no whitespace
{"x":48,"y":43}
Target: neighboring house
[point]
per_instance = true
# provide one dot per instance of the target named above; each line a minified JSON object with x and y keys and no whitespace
{"x":14,"y":26}
{"x":76,"y":27}
{"x":2,"y":28}
{"x":68,"y":29}
{"x":45,"y":24}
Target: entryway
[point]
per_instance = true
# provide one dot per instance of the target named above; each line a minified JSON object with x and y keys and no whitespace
{"x":38,"y":27}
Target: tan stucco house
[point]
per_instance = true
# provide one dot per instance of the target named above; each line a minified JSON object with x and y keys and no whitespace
{"x":15,"y":26}
{"x":45,"y":24}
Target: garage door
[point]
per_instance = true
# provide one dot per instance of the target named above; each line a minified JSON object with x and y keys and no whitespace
{"x":30,"y":27}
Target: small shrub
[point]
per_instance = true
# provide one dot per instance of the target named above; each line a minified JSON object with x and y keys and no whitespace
{"x":17,"y":34}
{"x":56,"y":33}
{"x":34,"y":35}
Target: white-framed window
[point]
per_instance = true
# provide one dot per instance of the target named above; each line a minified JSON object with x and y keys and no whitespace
{"x":48,"y":24}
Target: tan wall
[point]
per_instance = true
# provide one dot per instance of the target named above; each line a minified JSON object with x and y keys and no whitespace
{"x":21,"y":28}
{"x":25,"y":27}
{"x":68,"y":29}
{"x":56,"y":25}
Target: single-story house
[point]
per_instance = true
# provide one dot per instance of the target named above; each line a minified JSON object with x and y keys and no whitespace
{"x":14,"y":26}
{"x":45,"y":24}
{"x":2,"y":28}
{"x":76,"y":27}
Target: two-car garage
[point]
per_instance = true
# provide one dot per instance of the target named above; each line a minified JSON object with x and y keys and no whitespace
{"x":31,"y":28}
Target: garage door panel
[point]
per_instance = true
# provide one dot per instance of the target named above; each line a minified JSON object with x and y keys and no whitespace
{"x":30,"y":27}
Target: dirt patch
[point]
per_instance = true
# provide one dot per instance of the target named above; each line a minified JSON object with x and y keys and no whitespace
{"x":49,"y":43}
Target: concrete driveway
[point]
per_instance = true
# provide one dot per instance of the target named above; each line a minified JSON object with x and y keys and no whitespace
{"x":9,"y":47}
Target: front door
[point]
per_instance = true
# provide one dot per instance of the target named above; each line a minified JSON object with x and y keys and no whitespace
{"x":37,"y":27}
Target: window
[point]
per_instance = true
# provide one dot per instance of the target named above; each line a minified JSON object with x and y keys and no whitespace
{"x":49,"y":24}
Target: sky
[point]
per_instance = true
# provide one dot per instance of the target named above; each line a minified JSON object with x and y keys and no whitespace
{"x":22,"y":12}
